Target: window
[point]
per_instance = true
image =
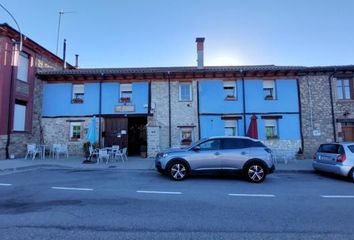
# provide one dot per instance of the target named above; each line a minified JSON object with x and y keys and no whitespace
{"x":343,"y":89}
{"x":75,"y":130}
{"x":351,"y":148}
{"x":233,"y":143}
{"x":230,"y":127}
{"x":126,"y":92}
{"x":19,"y":116}
{"x":186,"y":136}
{"x":185,"y":92}
{"x":230,"y":90}
{"x":213,"y":144}
{"x":271,"y":128}
{"x":23,"y":63}
{"x":78,"y":93}
{"x":329,"y":148}
{"x":269,"y":90}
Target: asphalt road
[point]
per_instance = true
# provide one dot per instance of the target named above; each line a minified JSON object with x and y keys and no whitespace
{"x":68,"y":204}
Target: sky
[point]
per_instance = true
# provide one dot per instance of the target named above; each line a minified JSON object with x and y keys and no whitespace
{"x":161,"y":33}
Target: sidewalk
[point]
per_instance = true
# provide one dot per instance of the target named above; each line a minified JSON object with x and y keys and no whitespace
{"x":133,"y":163}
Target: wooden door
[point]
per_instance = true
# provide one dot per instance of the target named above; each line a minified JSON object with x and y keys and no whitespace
{"x":348,"y":133}
{"x":116,"y":131}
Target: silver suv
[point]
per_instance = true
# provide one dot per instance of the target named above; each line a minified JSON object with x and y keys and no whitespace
{"x":218,"y":155}
{"x":335,"y":158}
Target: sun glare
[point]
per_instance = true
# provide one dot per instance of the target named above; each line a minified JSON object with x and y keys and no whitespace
{"x":223,"y":60}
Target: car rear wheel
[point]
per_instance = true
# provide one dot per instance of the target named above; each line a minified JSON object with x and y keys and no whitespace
{"x":178,"y":171}
{"x":351,"y":175}
{"x":255,"y":172}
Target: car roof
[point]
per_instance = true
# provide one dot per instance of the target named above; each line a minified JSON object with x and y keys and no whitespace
{"x":234,"y":137}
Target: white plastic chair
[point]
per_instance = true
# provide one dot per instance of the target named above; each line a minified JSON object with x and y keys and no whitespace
{"x":32,"y":150}
{"x":103,"y":154}
{"x":54,"y":150}
{"x":114,"y":151}
{"x":63,"y":149}
{"x":122,"y":154}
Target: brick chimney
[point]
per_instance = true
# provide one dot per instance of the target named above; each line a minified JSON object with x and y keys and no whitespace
{"x":200,"y":52}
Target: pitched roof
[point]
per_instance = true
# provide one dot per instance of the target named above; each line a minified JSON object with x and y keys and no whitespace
{"x":7,"y":30}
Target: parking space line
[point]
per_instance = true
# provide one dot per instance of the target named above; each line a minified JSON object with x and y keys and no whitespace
{"x":5,"y":184}
{"x":75,"y":189}
{"x":337,"y":196}
{"x":158,"y":192}
{"x":250,"y":195}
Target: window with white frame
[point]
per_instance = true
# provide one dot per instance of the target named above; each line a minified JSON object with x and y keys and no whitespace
{"x":23,"y":65}
{"x":78,"y":93}
{"x":126,"y":92}
{"x":343,"y":89}
{"x":186,"y":135}
{"x":269,"y":90}
{"x":19,"y":123}
{"x":230,"y":127}
{"x":185,"y":91}
{"x":75,"y":131}
{"x":271,"y":128}
{"x":230,"y":90}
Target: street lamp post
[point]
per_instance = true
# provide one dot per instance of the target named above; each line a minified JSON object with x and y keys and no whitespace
{"x":18,"y":27}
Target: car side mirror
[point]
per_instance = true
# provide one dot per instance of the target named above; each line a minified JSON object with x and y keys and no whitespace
{"x":196,"y":148}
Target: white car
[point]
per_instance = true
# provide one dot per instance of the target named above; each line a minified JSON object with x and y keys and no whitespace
{"x":335,"y":158}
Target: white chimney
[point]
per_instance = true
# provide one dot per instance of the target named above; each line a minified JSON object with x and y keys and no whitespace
{"x":200,"y":52}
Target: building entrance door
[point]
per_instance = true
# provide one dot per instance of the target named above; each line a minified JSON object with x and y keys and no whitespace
{"x":116,"y":131}
{"x":348,"y":131}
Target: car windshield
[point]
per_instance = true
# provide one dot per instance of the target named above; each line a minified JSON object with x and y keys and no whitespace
{"x":197,"y":143}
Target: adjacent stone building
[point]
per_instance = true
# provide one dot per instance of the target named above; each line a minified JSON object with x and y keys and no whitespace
{"x":21,"y":91}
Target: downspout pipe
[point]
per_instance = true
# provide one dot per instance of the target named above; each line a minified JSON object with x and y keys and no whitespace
{"x":169,"y":110}
{"x":100,"y":111}
{"x":332,"y":104}
{"x":10,"y":112}
{"x":243,"y":102}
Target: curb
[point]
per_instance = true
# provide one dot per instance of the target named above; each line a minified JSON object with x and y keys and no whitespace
{"x":113,"y":168}
{"x":295,"y":171}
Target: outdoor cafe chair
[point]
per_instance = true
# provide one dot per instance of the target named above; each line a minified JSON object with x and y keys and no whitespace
{"x":103,"y":154}
{"x":122,"y":154}
{"x":114,"y":150}
{"x":33,"y":151}
{"x":63,"y":149}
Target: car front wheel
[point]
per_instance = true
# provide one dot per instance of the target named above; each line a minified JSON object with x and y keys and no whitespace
{"x":178,"y":171}
{"x":255,"y":173}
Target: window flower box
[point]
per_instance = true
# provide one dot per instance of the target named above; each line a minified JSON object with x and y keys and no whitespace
{"x":124,"y":99}
{"x":230,"y":98}
{"x":77,"y":100}
{"x":268,"y":97}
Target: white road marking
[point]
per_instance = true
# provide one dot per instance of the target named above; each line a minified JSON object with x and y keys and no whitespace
{"x":5,"y":184}
{"x":158,"y":192}
{"x":337,"y":196}
{"x":250,"y":195}
{"x":77,"y":189}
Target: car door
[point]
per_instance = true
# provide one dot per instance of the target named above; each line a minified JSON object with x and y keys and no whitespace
{"x":328,"y":153}
{"x":234,"y":154}
{"x":206,"y":156}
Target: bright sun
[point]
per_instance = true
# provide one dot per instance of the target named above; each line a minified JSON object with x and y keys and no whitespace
{"x":223,"y":60}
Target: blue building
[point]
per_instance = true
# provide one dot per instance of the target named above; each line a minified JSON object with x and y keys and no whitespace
{"x":226,"y":107}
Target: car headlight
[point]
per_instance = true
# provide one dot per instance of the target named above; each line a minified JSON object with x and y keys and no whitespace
{"x":165,"y":155}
